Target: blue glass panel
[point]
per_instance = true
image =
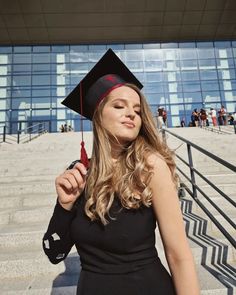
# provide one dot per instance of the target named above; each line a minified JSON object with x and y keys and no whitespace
{"x":153,"y":88}
{"x":5,"y":58}
{"x":227,"y":84}
{"x":192,"y":97}
{"x":79,"y":57}
{"x":41,"y":58}
{"x":223,"y":53}
{"x":210,"y":85}
{"x":153,"y":66}
{"x":173,"y":87}
{"x":170,"y":54}
{"x":229,"y":96}
{"x":158,"y":98}
{"x":79,"y":68}
{"x":190,"y":75}
{"x":211,"y":96}
{"x":225,"y":63}
{"x":60,"y":48}
{"x":153,"y":54}
{"x":22,"y":58}
{"x":41,"y":48}
{"x":78,"y":48}
{"x":41,"y":80}
{"x":205,"y":44}
{"x":154,"y":77}
{"x":134,"y":55}
{"x":116,"y":46}
{"x":171,"y":76}
{"x":60,"y":57}
{"x":187,"y":45}
{"x":21,"y":80}
{"x":20,"y":103}
{"x":41,"y":68}
{"x":21,"y":92}
{"x":95,"y":56}
{"x":41,"y":102}
{"x":188,"y":64}
{"x":192,"y":86}
{"x":140,"y":76}
{"x":188,"y":54}
{"x":222,"y":44}
{"x":17,"y":69}
{"x":206,"y":53}
{"x":60,"y":79}
{"x":152,"y":46}
{"x":207,"y":64}
{"x":41,"y":114}
{"x":226,"y":74}
{"x":25,"y":49}
{"x":40,"y":92}
{"x":208,"y":75}
{"x":169,"y":45}
{"x":135,"y":66}
{"x":6,"y":49}
{"x":133,"y":46}
{"x":97,"y":47}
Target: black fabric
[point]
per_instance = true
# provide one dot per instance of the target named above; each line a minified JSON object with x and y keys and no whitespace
{"x":119,"y":258}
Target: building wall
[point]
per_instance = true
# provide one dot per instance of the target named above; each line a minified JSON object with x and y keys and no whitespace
{"x":177,"y":76}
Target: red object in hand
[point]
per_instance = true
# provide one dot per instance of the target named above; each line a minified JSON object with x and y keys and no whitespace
{"x":83,"y":155}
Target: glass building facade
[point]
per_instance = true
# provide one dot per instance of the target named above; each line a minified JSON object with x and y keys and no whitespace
{"x":177,"y":76}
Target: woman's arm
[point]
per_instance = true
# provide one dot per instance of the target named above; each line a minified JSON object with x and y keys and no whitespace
{"x":171,"y":226}
{"x":57,"y":241}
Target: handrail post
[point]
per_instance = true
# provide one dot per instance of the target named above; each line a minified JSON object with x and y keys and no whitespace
{"x":235,"y":126}
{"x":163,"y":135}
{"x":190,"y":159}
{"x":18,"y":136}
{"x":4,"y":133}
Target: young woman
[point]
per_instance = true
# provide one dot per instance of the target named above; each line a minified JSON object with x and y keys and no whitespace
{"x":110,"y":211}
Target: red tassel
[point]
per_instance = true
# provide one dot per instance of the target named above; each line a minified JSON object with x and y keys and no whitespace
{"x":83,"y":155}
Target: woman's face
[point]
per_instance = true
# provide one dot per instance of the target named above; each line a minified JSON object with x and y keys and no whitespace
{"x":121,"y":114}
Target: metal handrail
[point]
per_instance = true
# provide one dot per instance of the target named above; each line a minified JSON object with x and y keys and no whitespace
{"x":28,"y":131}
{"x":195,"y":187}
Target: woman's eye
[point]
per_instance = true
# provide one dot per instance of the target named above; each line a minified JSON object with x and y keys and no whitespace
{"x":137,"y":112}
{"x":118,"y":107}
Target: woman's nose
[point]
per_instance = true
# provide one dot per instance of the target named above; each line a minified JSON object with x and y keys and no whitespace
{"x":130,"y":113}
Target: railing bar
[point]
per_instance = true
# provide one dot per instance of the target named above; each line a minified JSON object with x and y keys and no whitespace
{"x":215,"y":187}
{"x":221,"y":228}
{"x":209,"y":200}
{"x":214,"y":157}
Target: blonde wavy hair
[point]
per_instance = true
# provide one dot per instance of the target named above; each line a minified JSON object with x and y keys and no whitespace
{"x":129,"y":177}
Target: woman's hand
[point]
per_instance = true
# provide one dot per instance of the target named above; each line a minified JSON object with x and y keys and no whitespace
{"x":70,"y":185}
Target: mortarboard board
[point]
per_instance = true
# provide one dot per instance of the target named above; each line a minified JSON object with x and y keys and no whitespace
{"x":108,"y":73}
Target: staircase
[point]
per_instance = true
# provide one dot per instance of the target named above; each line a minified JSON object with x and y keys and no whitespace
{"x":215,"y":256}
{"x":27,"y":173}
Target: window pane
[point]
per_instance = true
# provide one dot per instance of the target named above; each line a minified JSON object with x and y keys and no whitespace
{"x":17,"y":69}
{"x":206,"y":53}
{"x":192,"y":97}
{"x":21,"y":92}
{"x":42,"y":102}
{"x":208,"y":75}
{"x":152,"y":55}
{"x":226,"y":74}
{"x":41,"y":79}
{"x":191,"y":86}
{"x":227,"y":84}
{"x":188,"y":64}
{"x":20,"y":103}
{"x":210,"y":85}
{"x":213,"y":96}
{"x":190,"y":76}
{"x":78,"y":57}
{"x":22,"y":58}
{"x":153,"y":65}
{"x":223,"y":53}
{"x":41,"y":58}
{"x":152,"y":77}
{"x":21,"y":80}
{"x":188,"y":54}
{"x":207,"y":64}
{"x":225,"y":63}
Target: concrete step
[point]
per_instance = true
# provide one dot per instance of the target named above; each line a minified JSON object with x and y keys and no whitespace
{"x":32,"y":264}
{"x":27,"y":188}
{"x":34,"y":215}
{"x":25,"y":201}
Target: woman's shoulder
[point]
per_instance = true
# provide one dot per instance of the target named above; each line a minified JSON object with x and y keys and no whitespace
{"x":156,"y":160}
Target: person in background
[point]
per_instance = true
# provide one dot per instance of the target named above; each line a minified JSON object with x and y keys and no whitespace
{"x":110,"y":206}
{"x":213,"y":116}
{"x":195,"y":115}
{"x":160,"y":121}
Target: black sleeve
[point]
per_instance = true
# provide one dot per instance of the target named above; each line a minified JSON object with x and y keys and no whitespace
{"x":57,"y":241}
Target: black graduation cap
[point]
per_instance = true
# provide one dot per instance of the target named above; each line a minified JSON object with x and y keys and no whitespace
{"x":109,"y":72}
